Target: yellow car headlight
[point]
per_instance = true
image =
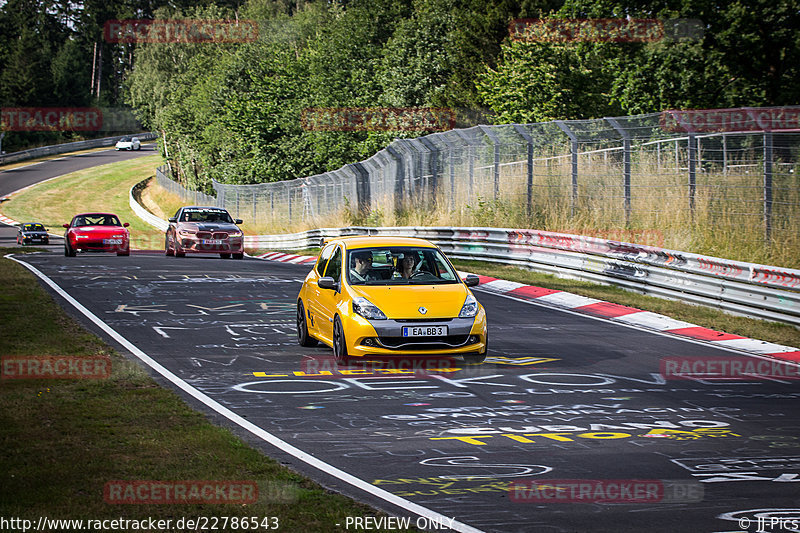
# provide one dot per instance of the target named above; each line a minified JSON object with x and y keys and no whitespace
{"x":367,"y":309}
{"x":470,"y":307}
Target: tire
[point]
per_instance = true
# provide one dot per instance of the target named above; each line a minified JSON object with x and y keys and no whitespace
{"x":178,"y":251}
{"x":124,"y":252}
{"x":238,"y":255}
{"x":339,"y":342}
{"x":225,"y":256}
{"x":303,"y":338}
{"x":167,"y":250}
{"x":68,"y":251}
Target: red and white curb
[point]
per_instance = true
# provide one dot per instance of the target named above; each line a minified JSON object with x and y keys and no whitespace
{"x":287,"y":258}
{"x":10,"y":221}
{"x":637,"y":317}
{"x":609,"y":311}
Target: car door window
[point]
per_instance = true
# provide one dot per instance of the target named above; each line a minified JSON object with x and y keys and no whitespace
{"x":334,"y":268}
{"x":323,"y":258}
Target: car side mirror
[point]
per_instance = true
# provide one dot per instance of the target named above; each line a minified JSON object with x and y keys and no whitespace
{"x":472,"y":280}
{"x":173,"y":219}
{"x":65,"y":226}
{"x":125,"y":225}
{"x":238,"y":221}
{"x":328,"y":283}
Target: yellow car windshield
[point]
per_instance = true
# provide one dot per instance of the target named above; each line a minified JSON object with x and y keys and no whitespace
{"x":392,"y":265}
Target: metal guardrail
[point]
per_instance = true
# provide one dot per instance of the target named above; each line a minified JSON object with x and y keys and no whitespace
{"x":140,"y":211}
{"x":69,"y":147}
{"x":747,"y":289}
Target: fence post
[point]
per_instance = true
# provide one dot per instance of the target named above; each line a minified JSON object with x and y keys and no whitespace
{"x":364,"y":200}
{"x":398,"y":178}
{"x":496,"y":144}
{"x":574,"y":152}
{"x":658,"y":156}
{"x":433,"y":159}
{"x":768,"y":186}
{"x":691,"y":151}
{"x":289,"y":200}
{"x":524,"y":134}
{"x":724,"y":153}
{"x":452,"y":179}
{"x":677,"y":158}
{"x":470,"y":161}
{"x":626,"y":166}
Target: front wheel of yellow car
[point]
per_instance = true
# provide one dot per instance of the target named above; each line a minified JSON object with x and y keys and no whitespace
{"x":339,"y":343}
{"x":303,"y":338}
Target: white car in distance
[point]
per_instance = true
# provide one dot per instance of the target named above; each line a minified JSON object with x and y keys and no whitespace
{"x":128,"y":143}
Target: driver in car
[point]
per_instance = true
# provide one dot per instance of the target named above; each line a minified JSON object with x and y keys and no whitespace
{"x":362,"y":271}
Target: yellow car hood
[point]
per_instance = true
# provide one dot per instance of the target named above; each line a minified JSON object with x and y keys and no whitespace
{"x":404,"y":301}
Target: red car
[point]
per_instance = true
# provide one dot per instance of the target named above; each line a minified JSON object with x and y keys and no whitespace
{"x":208,"y":230}
{"x":96,"y":232}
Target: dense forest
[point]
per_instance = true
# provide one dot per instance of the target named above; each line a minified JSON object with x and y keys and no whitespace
{"x":234,"y":111}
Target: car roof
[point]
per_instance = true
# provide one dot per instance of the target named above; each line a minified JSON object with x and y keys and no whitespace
{"x":203,"y":207}
{"x":355,"y":242}
{"x":94,"y":214}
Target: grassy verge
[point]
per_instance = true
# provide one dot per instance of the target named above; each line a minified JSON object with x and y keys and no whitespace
{"x":102,"y":188}
{"x":702,"y":316}
{"x":61,"y":441}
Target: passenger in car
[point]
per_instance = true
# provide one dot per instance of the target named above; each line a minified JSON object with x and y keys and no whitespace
{"x":405,"y":265}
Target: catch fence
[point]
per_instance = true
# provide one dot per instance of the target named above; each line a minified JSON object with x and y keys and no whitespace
{"x":731,"y":172}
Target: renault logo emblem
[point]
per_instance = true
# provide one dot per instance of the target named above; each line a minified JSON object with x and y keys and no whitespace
{"x":422,"y":310}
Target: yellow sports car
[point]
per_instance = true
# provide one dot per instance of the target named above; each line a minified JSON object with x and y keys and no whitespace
{"x":390,"y":296}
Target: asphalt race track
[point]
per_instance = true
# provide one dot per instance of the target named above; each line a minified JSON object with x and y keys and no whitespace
{"x":561,"y":397}
{"x":17,"y":178}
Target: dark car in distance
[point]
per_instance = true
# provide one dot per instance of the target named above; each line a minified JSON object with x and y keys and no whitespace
{"x":32,"y":233}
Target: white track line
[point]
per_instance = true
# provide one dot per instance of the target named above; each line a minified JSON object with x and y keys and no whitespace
{"x":249,"y":426}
